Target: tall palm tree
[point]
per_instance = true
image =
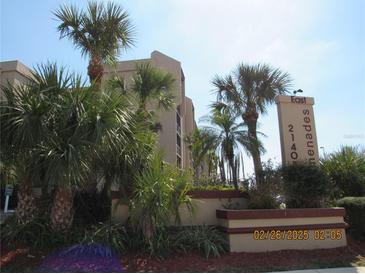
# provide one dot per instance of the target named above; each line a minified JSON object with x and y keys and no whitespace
{"x":25,"y":124}
{"x":248,"y":91}
{"x":230,"y":136}
{"x":99,"y":32}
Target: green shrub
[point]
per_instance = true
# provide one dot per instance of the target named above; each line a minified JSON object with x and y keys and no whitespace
{"x":160,"y":189}
{"x":305,"y":185}
{"x":38,"y":235}
{"x":264,"y":196}
{"x":262,"y":199}
{"x":206,"y":239}
{"x":346,"y":169}
{"x":355,"y":214}
{"x":114,"y":236}
{"x":35,"y":234}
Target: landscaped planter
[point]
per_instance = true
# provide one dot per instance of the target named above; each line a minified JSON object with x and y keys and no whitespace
{"x":281,"y":229}
{"x":205,"y":203}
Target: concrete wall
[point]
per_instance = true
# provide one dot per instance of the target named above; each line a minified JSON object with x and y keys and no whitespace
{"x":271,"y":230}
{"x":205,"y":210}
{"x":205,"y":204}
{"x":246,"y":243}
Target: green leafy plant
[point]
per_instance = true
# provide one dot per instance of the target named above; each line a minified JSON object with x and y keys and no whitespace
{"x":159,"y":191}
{"x":114,"y":236}
{"x":38,"y":235}
{"x":355,"y":214}
{"x":202,"y":144}
{"x":346,"y":169}
{"x":35,"y":234}
{"x":206,"y":239}
{"x":305,"y":185}
{"x":262,"y":199}
{"x":267,"y":194}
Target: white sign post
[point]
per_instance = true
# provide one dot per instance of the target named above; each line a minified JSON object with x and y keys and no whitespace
{"x":297,"y":129}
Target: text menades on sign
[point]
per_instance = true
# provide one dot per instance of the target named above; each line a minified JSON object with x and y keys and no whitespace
{"x":297,"y":129}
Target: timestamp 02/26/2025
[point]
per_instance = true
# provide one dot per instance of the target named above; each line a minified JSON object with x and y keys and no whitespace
{"x":298,"y":235}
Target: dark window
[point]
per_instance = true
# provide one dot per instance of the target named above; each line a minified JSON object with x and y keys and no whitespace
{"x":178,"y":161}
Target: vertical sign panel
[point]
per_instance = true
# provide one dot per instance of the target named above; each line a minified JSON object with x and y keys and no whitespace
{"x":297,"y":129}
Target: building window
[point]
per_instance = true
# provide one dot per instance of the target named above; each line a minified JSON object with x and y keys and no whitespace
{"x":178,"y":144}
{"x":178,"y":123}
{"x":178,"y":161}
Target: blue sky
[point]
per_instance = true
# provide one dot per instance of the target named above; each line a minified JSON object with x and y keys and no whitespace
{"x":320,"y":43}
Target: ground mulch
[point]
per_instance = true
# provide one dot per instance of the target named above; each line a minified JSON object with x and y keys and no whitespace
{"x":20,"y":260}
{"x":250,"y":262}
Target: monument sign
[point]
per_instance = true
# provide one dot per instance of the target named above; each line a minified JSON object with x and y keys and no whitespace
{"x":297,"y":129}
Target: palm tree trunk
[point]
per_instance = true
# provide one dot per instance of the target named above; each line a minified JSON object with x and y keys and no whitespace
{"x":255,"y":152}
{"x":95,"y":69}
{"x":62,"y":209}
{"x":148,"y":228}
{"x":26,"y":207}
{"x":222,"y":171}
{"x":233,"y":173}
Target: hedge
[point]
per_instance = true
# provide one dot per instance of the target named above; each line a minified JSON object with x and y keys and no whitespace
{"x":305,"y":185}
{"x":355,"y":214}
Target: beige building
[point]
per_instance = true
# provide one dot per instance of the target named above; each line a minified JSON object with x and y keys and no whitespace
{"x":13,"y":73}
{"x":176,"y":124}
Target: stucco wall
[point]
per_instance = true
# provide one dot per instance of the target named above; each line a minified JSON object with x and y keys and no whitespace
{"x":271,"y":230}
{"x":246,"y":243}
{"x":204,"y":208}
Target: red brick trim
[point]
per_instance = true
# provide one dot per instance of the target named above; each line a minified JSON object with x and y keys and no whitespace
{"x":279,"y":213}
{"x":245,"y":230}
{"x":210,"y":194}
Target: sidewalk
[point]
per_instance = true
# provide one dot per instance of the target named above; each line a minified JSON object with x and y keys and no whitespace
{"x":330,"y":270}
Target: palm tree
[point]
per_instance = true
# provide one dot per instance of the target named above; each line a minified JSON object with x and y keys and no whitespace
{"x":99,"y":32}
{"x":150,"y":83}
{"x":230,"y":136}
{"x":84,"y":123}
{"x":346,"y":168}
{"x":118,"y":163}
{"x":160,"y":191}
{"x":202,"y":144}
{"x":248,"y":91}
{"x":25,"y":124}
